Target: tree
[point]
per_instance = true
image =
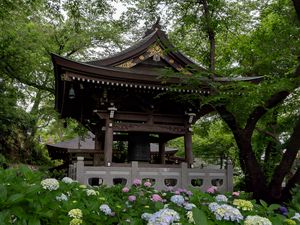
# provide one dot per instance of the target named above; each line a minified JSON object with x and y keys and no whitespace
{"x":29,"y":32}
{"x":248,"y":39}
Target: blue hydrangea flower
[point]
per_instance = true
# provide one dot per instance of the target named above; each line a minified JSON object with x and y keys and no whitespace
{"x":164,"y":217}
{"x":221,"y":198}
{"x":213,"y":206}
{"x":177,"y":199}
{"x":225,"y":212}
{"x":105,"y":209}
{"x":189,"y":206}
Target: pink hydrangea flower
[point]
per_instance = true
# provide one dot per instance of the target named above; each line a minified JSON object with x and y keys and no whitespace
{"x":212,"y":189}
{"x":131,"y":198}
{"x":156,"y":198}
{"x":177,"y":192}
{"x":147,"y":184}
{"x":170,"y":188}
{"x":189,"y":193}
{"x":137,"y":182}
{"x":236,"y":193}
{"x":125,"y":189}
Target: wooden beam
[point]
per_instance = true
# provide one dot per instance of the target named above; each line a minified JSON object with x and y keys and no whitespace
{"x":123,"y":137}
{"x":149,"y":128}
{"x":143,"y":117}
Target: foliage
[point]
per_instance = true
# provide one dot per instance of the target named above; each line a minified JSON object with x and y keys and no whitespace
{"x":212,"y":140}
{"x":295,"y":202}
{"x":251,"y":38}
{"x":29,"y":32}
{"x":247,"y":39}
{"x":26,"y":200}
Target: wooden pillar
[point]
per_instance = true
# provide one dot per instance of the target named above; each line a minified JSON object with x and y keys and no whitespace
{"x":188,"y":147}
{"x":108,"y":143}
{"x":99,"y":139}
{"x":162,"y":152}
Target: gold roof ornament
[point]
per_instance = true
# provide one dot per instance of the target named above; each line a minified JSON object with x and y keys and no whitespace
{"x":127,"y":64}
{"x":155,"y":50}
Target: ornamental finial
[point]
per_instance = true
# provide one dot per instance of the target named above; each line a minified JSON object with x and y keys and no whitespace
{"x":156,"y":26}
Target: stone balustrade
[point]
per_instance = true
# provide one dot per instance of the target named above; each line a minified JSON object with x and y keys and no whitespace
{"x":162,"y":176}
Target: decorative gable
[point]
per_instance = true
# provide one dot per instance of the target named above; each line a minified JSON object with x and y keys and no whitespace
{"x":157,"y":53}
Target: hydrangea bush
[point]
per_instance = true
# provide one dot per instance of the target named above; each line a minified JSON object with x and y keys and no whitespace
{"x":35,"y":199}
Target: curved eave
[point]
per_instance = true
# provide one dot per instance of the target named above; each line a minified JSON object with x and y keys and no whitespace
{"x":256,"y":79}
{"x":128,"y":75}
{"x":109,"y":73}
{"x":141,"y":46}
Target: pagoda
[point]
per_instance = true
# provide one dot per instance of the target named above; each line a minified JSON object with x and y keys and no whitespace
{"x":128,"y":97}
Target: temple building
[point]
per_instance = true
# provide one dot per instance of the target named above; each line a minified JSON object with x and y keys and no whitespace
{"x":136,"y":97}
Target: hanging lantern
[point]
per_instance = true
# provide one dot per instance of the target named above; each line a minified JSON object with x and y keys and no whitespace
{"x":71,"y":93}
{"x":156,"y":57}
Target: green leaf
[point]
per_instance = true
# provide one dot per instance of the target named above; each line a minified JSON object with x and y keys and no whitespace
{"x":34,"y":221}
{"x":159,"y":205}
{"x":199,"y":217}
{"x":33,"y":189}
{"x":277,"y":220}
{"x":13,"y":199}
{"x":3,"y":193}
{"x":263,"y":203}
{"x":19,"y":212}
{"x":273,"y":207}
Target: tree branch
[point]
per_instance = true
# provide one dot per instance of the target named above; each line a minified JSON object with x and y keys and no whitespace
{"x":259,"y":111}
{"x":295,"y":179}
{"x":10,"y":72}
{"x":268,"y":133}
{"x":292,"y":148}
{"x":228,"y":117}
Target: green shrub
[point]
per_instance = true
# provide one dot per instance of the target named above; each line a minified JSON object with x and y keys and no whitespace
{"x":30,"y":198}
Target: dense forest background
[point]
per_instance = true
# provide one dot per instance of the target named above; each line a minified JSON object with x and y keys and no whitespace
{"x":256,"y":126}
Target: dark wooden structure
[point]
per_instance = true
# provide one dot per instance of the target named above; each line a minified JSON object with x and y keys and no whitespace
{"x":127,"y":94}
{"x":70,"y":150}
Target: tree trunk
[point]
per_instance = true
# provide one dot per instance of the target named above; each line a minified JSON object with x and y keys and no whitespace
{"x":211,"y":36}
{"x":254,"y":177}
{"x":297,"y":7}
{"x":286,"y":163}
{"x":286,"y":192}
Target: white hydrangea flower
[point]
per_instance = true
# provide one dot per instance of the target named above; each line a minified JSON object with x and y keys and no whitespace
{"x":189,"y":206}
{"x":75,"y":213}
{"x":50,"y":184}
{"x":75,"y":221}
{"x":221,"y":198}
{"x":225,"y":212}
{"x":296,"y":217}
{"x":62,"y":197}
{"x":164,"y":216}
{"x":105,"y":209}
{"x":90,"y":192}
{"x":146,"y":216}
{"x":190,"y":217}
{"x":257,"y":220}
{"x":67,"y":180}
{"x":177,"y":199}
